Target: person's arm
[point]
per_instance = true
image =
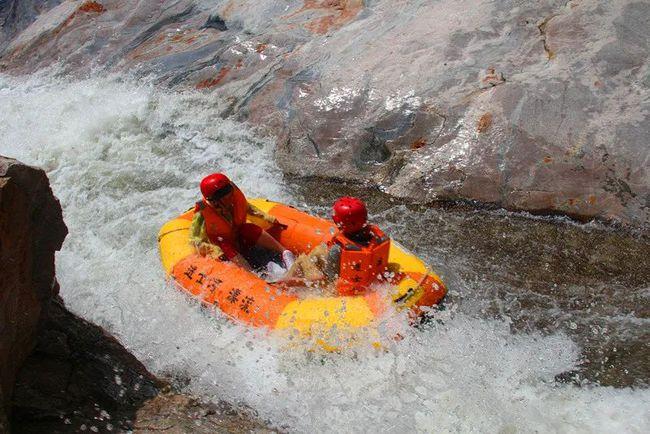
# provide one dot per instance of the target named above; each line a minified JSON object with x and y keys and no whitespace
{"x":309,"y":266}
{"x":332,"y":267}
{"x":259,"y":217}
{"x":199,"y":238}
{"x":198,"y":234}
{"x":241,"y":261}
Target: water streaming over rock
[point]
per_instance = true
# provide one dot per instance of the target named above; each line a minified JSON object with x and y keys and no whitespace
{"x":124,"y":157}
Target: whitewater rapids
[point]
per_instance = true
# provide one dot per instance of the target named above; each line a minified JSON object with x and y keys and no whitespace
{"x":124,"y":157}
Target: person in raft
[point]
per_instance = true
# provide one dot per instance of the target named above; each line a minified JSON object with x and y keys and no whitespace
{"x":357,"y":254}
{"x":219,"y":228}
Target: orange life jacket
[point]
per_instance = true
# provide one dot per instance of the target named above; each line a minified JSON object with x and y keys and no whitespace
{"x":361,"y":264}
{"x":223,"y":222}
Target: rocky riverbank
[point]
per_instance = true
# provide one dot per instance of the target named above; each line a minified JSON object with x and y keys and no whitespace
{"x":538,"y":106}
{"x":60,"y":373}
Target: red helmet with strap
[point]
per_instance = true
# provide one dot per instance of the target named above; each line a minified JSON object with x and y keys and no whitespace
{"x":214,"y":184}
{"x":350,"y":214}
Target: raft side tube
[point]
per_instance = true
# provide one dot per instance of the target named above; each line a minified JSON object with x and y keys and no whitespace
{"x":173,"y":241}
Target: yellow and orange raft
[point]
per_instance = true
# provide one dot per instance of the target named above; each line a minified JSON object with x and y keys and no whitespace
{"x":251,"y":300}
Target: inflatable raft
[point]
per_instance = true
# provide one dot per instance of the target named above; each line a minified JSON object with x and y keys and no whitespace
{"x":249,"y":299}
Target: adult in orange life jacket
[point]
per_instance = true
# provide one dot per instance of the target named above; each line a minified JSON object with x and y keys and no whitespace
{"x":362,"y":247}
{"x":219,"y":226}
{"x":356,"y":256}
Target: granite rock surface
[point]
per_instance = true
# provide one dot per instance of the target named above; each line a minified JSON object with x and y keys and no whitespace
{"x":540,"y":106}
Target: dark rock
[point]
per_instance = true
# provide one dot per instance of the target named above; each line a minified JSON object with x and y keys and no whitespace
{"x":215,"y":22}
{"x":80,"y":376}
{"x":31,"y":230}
{"x":17,"y":15}
{"x":77,"y":371}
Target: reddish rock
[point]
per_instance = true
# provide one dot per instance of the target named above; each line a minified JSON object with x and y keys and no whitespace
{"x":92,"y":6}
{"x":484,"y":123}
{"x":211,"y":82}
{"x":419,"y":143}
{"x":31,"y":231}
{"x":260,"y":48}
{"x":333,"y":14}
{"x":490,"y":77}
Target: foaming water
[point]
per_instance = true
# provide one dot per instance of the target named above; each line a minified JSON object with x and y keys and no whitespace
{"x":123,"y":157}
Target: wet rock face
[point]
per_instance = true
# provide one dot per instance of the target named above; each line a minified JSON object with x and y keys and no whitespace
{"x":79,"y":378}
{"x":541,"y":106}
{"x":16,"y":15}
{"x":31,"y":230}
{"x":78,"y":375}
{"x":184,"y":414}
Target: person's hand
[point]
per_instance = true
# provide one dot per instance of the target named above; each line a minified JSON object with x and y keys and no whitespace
{"x":209,"y":250}
{"x":280,"y":225}
{"x":241,"y":261}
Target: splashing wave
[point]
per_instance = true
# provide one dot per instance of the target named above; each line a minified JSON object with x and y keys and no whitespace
{"x":124,"y":156}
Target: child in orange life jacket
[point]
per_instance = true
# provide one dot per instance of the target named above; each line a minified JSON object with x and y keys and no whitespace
{"x":219,"y":226}
{"x":357,"y":255}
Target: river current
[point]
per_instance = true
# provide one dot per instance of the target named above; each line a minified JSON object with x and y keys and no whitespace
{"x":536,"y":336}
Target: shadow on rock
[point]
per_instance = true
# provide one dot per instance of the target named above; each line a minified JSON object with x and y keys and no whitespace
{"x":80,"y":378}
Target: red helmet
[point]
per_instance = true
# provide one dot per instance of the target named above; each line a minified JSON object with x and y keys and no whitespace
{"x":350,"y":214}
{"x":213,"y":185}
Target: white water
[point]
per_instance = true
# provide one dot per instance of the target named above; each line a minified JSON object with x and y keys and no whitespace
{"x":124,"y":157}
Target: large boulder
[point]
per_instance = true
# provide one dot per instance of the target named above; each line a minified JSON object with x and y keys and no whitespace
{"x":540,"y":106}
{"x":31,"y":231}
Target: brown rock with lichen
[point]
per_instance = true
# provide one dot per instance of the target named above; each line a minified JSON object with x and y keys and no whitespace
{"x":484,"y":123}
{"x":92,"y":6}
{"x":174,"y":413}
